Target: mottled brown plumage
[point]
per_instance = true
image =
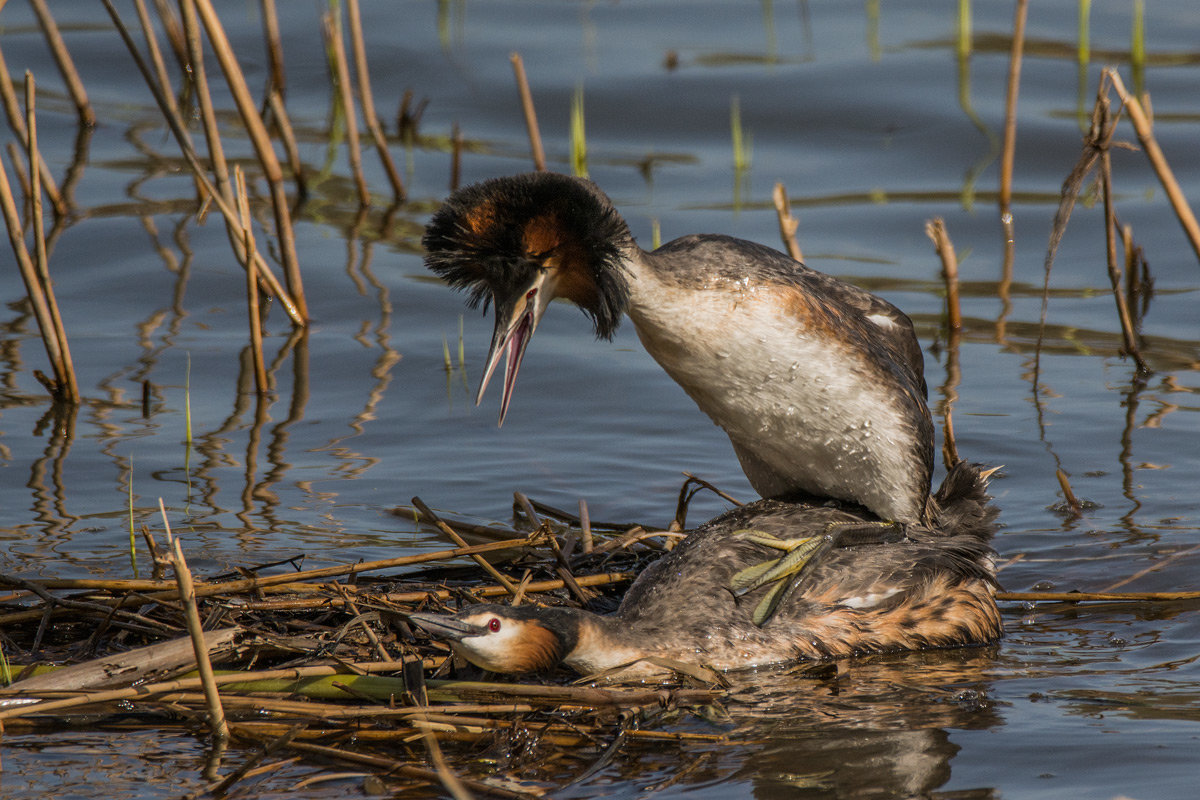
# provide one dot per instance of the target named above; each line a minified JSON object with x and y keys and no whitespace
{"x":933,"y":587}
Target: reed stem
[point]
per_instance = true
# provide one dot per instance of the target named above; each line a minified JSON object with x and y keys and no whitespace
{"x":333,"y":40}
{"x":66,"y":65}
{"x":1008,"y":154}
{"x":1145,"y":133}
{"x":367,"y":101}
{"x":531,"y":123}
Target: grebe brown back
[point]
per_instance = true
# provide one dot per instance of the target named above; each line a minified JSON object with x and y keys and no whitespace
{"x":931,"y":588}
{"x":818,"y":384}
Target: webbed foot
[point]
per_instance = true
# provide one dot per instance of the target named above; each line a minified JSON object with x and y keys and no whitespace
{"x":785,"y":571}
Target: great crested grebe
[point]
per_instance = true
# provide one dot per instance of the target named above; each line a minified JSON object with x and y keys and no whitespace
{"x":820,"y":387}
{"x":930,"y":588}
{"x":819,"y":384}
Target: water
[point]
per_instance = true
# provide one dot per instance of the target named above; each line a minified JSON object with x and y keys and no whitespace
{"x":875,"y":124}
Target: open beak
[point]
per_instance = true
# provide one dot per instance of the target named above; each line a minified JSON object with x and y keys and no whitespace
{"x":516,"y":320}
{"x":444,"y":627}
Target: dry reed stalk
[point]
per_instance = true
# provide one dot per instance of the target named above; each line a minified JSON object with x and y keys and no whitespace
{"x":33,"y":285}
{"x":278,"y":81}
{"x":64,"y":371}
{"x":585,"y":526}
{"x":198,"y":75}
{"x":1114,"y":267}
{"x":454,"y":537}
{"x":600,"y":579}
{"x":189,"y":154}
{"x":332,"y":29}
{"x":256,"y":583}
{"x":160,"y":69}
{"x":367,"y":101}
{"x":16,"y":121}
{"x":66,"y":65}
{"x":1008,"y":154}
{"x":522,"y":587}
{"x":261,"y":384}
{"x":283,"y":126}
{"x":1145,"y":133}
{"x":262,"y":146}
{"x":187,"y":596}
{"x":174,"y":33}
{"x":935,"y":229}
{"x":1068,"y":494}
{"x":456,"y":148}
{"x":787,"y":223}
{"x":18,"y":166}
{"x":531,"y":123}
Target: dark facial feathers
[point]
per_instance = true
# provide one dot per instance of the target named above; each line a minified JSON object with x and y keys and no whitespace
{"x":491,"y":238}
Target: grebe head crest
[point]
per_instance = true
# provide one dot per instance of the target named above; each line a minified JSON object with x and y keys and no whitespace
{"x":505,"y":638}
{"x":520,"y":242}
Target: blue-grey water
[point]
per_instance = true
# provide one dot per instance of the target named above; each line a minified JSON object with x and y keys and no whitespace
{"x":877,"y":116}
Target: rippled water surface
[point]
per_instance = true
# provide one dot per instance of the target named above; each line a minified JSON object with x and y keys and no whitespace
{"x":877,"y":117}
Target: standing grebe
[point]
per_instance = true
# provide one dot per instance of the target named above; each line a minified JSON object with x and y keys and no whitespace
{"x":931,"y":588}
{"x":819,"y":384}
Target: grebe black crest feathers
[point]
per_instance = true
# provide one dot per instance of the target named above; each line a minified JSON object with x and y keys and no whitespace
{"x":491,"y":239}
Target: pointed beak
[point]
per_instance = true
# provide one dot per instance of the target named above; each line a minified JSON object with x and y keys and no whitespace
{"x":444,"y":627}
{"x":516,"y":320}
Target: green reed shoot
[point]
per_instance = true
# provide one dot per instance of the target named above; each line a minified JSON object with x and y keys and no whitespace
{"x":446,"y":355}
{"x":462,"y":353}
{"x":655,"y":234}
{"x":964,"y":28}
{"x":187,"y":421}
{"x":741,"y":141}
{"x":1083,"y":48}
{"x":187,"y":401}
{"x":1137,"y":47}
{"x":6,"y":677}
{"x":578,"y":135}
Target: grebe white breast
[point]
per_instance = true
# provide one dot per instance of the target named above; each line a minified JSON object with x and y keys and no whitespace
{"x":818,"y":384}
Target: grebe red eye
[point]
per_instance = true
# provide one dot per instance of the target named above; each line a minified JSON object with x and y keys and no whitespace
{"x":494,"y":624}
{"x":532,"y":293}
